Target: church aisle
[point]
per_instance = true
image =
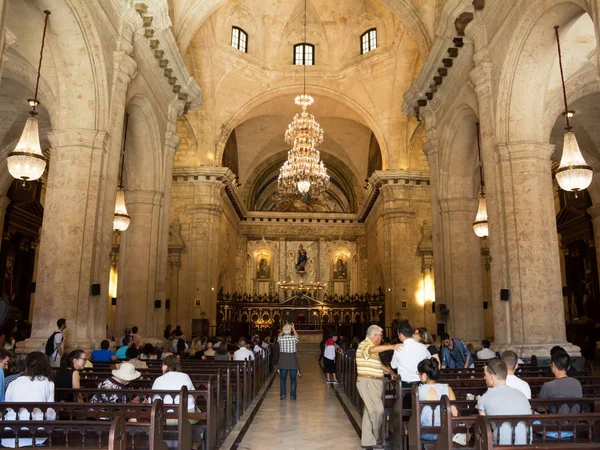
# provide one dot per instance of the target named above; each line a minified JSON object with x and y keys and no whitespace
{"x":316,"y":420}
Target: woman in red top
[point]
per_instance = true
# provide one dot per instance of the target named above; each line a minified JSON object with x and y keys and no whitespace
{"x":329,"y":359}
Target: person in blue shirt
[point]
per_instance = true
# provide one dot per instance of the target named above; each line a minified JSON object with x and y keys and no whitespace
{"x":4,"y":359}
{"x":121,"y":353}
{"x":104,"y":354}
{"x":455,"y":354}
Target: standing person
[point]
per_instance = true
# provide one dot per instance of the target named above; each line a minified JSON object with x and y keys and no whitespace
{"x":329,"y":359}
{"x":502,"y":400}
{"x":455,"y":354}
{"x":55,"y":346}
{"x":68,"y":377}
{"x":511,"y":360}
{"x":288,"y":363}
{"x":369,"y":384}
{"x":137,"y":338}
{"x":4,"y":360}
{"x":406,"y":360}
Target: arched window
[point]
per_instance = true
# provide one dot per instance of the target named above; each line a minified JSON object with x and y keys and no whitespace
{"x":239,"y":39}
{"x":368,"y":41}
{"x":304,"y":54}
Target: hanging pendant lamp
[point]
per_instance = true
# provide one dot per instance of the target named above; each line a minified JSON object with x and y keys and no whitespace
{"x":121,"y":219}
{"x":27,"y":162}
{"x":480,"y":226}
{"x":573,"y":174}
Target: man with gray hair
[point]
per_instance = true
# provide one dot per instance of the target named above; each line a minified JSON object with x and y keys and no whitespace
{"x":369,"y":384}
{"x":243,"y":353}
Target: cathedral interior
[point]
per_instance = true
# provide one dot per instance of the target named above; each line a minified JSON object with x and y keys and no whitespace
{"x":445,"y":190}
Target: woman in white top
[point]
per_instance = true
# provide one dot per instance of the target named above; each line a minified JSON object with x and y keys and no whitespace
{"x":34,"y":385}
{"x":173,"y":379}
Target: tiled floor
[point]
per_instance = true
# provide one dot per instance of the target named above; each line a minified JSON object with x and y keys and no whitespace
{"x":315,"y":421}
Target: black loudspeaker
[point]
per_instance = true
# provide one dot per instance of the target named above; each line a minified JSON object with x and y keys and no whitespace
{"x":504,"y":294}
{"x":168,"y":303}
{"x":565,"y":291}
{"x":113,"y":301}
{"x":157,"y":303}
{"x":432,"y":307}
{"x":444,"y":309}
{"x":31,"y":287}
{"x":485,"y":305}
{"x":95,"y":289}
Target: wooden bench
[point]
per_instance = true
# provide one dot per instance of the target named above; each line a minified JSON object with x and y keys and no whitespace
{"x":203,"y":431}
{"x":111,"y":433}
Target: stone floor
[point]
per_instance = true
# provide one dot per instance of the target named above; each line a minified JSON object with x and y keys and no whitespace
{"x":316,"y":420}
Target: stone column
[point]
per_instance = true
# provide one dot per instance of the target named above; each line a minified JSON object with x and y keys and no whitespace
{"x":138,"y":264}
{"x":596,"y":20}
{"x":536,"y":305}
{"x":594,"y":212}
{"x":463,"y":293}
{"x":67,"y":247}
{"x":398,"y":219}
{"x":173,"y":288}
{"x":3,"y":45}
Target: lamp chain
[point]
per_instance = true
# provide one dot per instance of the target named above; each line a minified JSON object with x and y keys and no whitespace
{"x":304,"y":48}
{"x":123,"y":152}
{"x":37,"y":81}
{"x":562,"y":78}
{"x":480,"y":161}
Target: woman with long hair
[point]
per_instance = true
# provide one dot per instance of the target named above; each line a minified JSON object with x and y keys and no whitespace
{"x":35,"y":384}
{"x":431,"y":390}
{"x":423,"y":336}
{"x":68,"y":376}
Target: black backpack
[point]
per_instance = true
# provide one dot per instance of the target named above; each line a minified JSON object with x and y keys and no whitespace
{"x":50,"y":344}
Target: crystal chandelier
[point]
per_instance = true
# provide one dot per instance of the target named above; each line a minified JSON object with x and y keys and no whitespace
{"x":303,"y":171}
{"x":480,"y":226}
{"x":573,"y":174}
{"x":27,"y":162}
{"x":121,"y":218}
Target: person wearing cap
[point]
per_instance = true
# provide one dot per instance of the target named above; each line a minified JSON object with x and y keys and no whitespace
{"x":120,"y":378}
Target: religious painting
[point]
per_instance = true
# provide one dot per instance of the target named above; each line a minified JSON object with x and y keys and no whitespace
{"x":263,"y":264}
{"x":302,"y":259}
{"x":340,"y":269}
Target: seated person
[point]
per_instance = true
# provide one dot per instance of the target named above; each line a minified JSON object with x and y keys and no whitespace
{"x":209,"y":352}
{"x":132,"y":358}
{"x":242,"y":353}
{"x":122,"y":350}
{"x":222,"y":354}
{"x":485,"y":352}
{"x":431,"y":390}
{"x":571,"y":371}
{"x":148,"y":352}
{"x":119,"y":380}
{"x":174,"y":379}
{"x":502,"y":400}
{"x":68,"y":376}
{"x":105,"y":354}
{"x":511,"y":360}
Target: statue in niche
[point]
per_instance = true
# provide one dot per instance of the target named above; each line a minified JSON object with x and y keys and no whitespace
{"x":302,"y":259}
{"x":340,"y":269}
{"x":263,"y":269}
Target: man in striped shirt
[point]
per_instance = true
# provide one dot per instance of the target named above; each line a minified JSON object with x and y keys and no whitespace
{"x":369,"y":384}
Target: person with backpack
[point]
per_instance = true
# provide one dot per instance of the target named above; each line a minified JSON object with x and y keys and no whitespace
{"x":55,"y":346}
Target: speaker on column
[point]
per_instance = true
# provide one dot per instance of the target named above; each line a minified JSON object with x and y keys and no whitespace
{"x":168,"y":303}
{"x":504,"y":295}
{"x":113,"y":301}
{"x":432,"y":307}
{"x":485,"y":305}
{"x":95,"y":289}
{"x":157,"y":303}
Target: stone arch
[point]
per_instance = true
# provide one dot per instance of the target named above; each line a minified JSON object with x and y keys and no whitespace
{"x":459,"y":160}
{"x":242,"y":115}
{"x":200,"y":10}
{"x":524,"y":77}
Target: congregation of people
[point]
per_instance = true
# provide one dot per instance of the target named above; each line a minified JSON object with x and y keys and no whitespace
{"x":415,"y":359}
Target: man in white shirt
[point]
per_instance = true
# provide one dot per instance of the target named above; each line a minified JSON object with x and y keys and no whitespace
{"x":243,"y":353}
{"x":511,"y":359}
{"x":485,"y":352}
{"x":405,"y":360}
{"x":59,"y":343}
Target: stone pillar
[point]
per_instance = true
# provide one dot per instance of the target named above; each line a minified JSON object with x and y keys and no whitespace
{"x":537,"y":319}
{"x":596,"y":20}
{"x":138,"y":265}
{"x":205,"y":220}
{"x":463,"y":294}
{"x":67,"y":247}
{"x":3,"y":44}
{"x":398,"y":219}
{"x":173,"y":288}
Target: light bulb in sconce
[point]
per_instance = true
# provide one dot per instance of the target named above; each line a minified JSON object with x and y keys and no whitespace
{"x":212,"y":288}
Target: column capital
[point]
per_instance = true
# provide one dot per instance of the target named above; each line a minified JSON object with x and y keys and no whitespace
{"x":527,"y":156}
{"x":468,"y":205}
{"x":135,"y":197}
{"x":77,"y":138}
{"x":481,"y":78}
{"x":125,"y":66}
{"x":172,"y":141}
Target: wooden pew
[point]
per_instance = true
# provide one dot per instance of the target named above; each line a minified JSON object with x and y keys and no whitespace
{"x":585,"y":428}
{"x":204,"y":431}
